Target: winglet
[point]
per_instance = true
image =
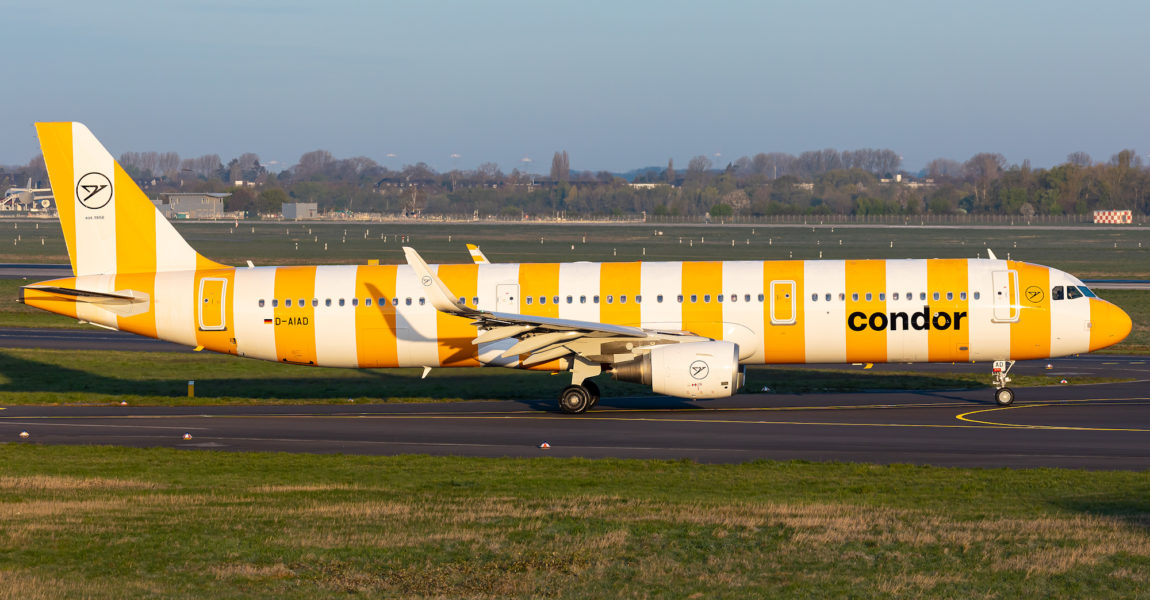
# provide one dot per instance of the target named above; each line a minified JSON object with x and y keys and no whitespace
{"x":441,"y":297}
{"x":477,"y":255}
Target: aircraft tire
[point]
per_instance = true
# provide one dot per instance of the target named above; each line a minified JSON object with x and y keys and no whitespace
{"x":1004,"y":396}
{"x":574,"y":400}
{"x":592,"y":389}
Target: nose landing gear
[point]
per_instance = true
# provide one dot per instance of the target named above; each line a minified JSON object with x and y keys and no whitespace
{"x":1003,"y":396}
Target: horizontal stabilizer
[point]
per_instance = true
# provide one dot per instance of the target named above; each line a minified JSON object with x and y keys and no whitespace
{"x":89,"y":295}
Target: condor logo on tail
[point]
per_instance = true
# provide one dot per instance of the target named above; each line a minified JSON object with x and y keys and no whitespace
{"x":895,"y":321}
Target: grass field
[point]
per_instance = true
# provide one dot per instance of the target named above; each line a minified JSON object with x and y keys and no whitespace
{"x":1094,"y":254}
{"x":126,"y":523}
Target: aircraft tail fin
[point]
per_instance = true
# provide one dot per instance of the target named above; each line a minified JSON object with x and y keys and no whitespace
{"x":110,"y":225}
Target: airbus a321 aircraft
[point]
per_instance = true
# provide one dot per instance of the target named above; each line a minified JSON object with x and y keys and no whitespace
{"x":686,"y":329}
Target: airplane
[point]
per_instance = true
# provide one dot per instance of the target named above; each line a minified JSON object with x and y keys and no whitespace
{"x":686,"y":329}
{"x":26,"y":198}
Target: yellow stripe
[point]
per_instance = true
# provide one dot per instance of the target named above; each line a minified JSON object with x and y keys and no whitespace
{"x":948,"y":276}
{"x":701,"y":317}
{"x":456,"y":333}
{"x":56,"y":143}
{"x":537,"y":280}
{"x":144,"y":323}
{"x":222,"y":340}
{"x":618,"y":286}
{"x":784,"y":343}
{"x":863,"y":277}
{"x":295,"y":339}
{"x":966,"y":417}
{"x":1030,"y":336}
{"x":375,"y":335}
{"x":135,"y":227}
{"x":52,"y":302}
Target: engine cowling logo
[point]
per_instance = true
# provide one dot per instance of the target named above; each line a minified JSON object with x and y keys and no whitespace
{"x":699,"y":369}
{"x":94,"y":190}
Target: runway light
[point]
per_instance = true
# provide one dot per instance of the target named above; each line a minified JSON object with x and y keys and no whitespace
{"x":544,"y":446}
{"x":123,"y":402}
{"x":23,"y":435}
{"x":1049,"y":366}
{"x":1063,"y":381}
{"x":187,"y":436}
{"x":765,"y":389}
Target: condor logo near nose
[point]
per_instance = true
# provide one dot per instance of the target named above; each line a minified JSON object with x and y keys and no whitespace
{"x":895,"y":321}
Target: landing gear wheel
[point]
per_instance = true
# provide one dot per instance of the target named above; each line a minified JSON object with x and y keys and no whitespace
{"x":574,"y":400}
{"x":1004,"y":396}
{"x":594,"y":391}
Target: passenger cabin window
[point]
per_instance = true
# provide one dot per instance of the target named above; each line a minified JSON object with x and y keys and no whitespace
{"x":327,"y":302}
{"x":842,"y":297}
{"x":746,"y":297}
{"x":367,"y":301}
{"x":950,"y":295}
{"x":815,"y":297}
{"x":595,"y":299}
{"x":355,"y":301}
{"x":638,"y":299}
{"x":922,"y":295}
{"x":977,"y":295}
{"x":406,"y":301}
{"x":261,"y":302}
{"x":854,"y":297}
{"x":680,"y":298}
{"x":894,"y":296}
{"x":962,"y":295}
{"x":422,"y":301}
{"x":827,"y":297}
{"x":315,"y":301}
{"x":287,"y":302}
{"x":341,"y":302}
{"x":582,"y":299}
{"x":530,"y":299}
{"x":882,"y":296}
{"x":706,"y":297}
{"x":659,"y":298}
{"x":554,"y":299}
{"x":570,"y":299}
{"x":762,"y":297}
{"x":475,"y":301}
{"x":610,"y":299}
{"x":275,"y":302}
{"x":936,"y":296}
{"x":622,"y":299}
{"x":694,"y":298}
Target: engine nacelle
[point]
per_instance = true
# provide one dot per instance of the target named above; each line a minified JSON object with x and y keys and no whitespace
{"x":690,"y":370}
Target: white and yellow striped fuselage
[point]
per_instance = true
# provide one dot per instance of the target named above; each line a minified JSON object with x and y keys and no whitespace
{"x":779,"y":312}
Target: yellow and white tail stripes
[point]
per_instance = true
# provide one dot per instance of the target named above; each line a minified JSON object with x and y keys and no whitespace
{"x":110,"y":226}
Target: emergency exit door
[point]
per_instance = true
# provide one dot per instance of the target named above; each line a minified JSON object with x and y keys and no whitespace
{"x":212,"y":300}
{"x":782,"y":303}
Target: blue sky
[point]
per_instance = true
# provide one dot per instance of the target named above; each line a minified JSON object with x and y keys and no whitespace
{"x":619,"y":85}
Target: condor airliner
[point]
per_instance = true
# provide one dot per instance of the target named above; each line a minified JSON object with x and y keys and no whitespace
{"x":686,"y":329}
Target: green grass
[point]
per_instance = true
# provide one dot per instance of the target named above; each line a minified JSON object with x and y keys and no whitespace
{"x":126,"y":523}
{"x":1094,"y":253}
{"x":160,"y":378}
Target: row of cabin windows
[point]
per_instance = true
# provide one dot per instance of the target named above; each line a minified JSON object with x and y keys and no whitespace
{"x":869,"y":297}
{"x":288,"y":302}
{"x":1072,"y":292}
{"x":610,"y":299}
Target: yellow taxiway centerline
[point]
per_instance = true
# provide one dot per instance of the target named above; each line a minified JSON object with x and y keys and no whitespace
{"x":965,"y":417}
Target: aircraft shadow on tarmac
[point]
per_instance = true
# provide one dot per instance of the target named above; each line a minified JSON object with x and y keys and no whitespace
{"x":533,"y":391}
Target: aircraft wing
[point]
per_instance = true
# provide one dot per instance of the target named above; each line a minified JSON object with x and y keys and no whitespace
{"x":543,"y":338}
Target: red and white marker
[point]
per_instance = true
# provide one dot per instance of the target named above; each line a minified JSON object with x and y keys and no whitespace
{"x":544,"y":446}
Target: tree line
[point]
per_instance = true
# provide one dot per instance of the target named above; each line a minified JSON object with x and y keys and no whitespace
{"x":858,"y":182}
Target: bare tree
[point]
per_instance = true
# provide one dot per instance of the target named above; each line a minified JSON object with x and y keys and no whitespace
{"x":670,"y":174}
{"x":982,"y":169}
{"x":1079,"y":159}
{"x":944,"y":168}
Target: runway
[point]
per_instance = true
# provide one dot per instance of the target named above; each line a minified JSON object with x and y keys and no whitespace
{"x":1093,"y":427}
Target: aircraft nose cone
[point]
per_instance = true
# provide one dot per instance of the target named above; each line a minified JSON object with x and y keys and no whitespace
{"x":1109,"y":324}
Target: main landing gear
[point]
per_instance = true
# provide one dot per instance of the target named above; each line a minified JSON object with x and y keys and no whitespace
{"x":1003,"y":396}
{"x":582,"y":394}
{"x":577,"y":399}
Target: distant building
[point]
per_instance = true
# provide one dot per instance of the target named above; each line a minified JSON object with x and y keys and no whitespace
{"x":300,"y":210}
{"x":191,"y":205}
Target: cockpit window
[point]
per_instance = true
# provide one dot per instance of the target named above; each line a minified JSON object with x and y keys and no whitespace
{"x":1086,"y":292}
{"x":1056,"y":293}
{"x":1072,"y":292}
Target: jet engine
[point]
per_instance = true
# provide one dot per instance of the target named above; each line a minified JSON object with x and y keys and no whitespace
{"x":689,"y":370}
